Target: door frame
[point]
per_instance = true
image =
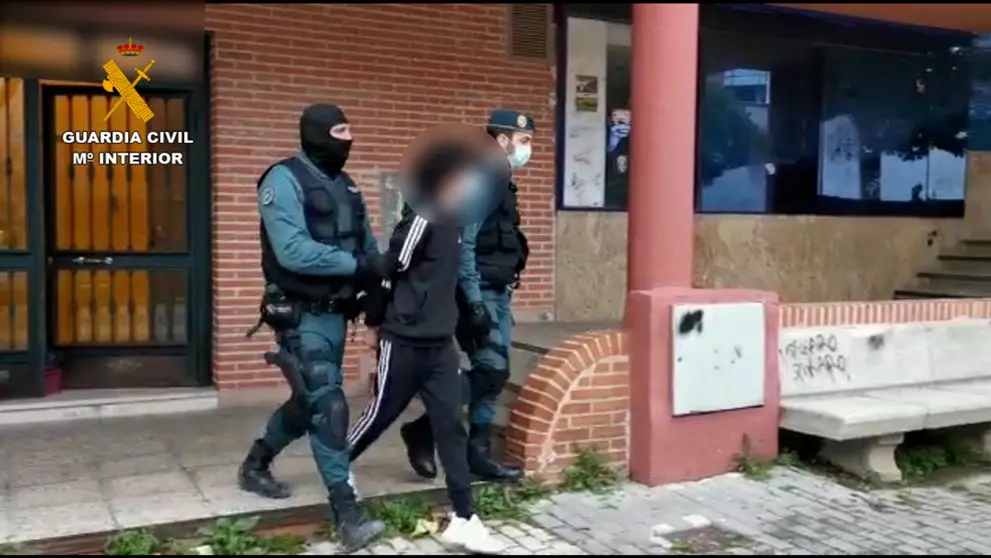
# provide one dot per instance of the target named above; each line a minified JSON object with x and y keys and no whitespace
{"x":199,"y":219}
{"x":148,"y":261}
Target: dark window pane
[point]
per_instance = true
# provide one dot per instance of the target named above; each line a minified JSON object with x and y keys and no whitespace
{"x":855,"y":119}
{"x":802,"y":113}
{"x":979,"y":135}
{"x":750,"y":93}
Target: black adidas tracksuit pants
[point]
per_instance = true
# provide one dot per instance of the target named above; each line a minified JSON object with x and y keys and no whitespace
{"x":433,"y":373}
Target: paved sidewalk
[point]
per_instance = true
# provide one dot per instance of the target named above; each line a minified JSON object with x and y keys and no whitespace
{"x":793,"y":513}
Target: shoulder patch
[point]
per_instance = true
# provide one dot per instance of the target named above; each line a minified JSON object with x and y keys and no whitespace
{"x":268,"y":196}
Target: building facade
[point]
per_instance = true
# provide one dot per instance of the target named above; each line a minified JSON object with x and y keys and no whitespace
{"x":163,"y":295}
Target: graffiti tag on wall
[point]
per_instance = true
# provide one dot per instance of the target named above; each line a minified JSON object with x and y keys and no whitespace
{"x":814,"y":357}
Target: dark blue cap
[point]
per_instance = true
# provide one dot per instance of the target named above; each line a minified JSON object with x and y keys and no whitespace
{"x":511,"y":121}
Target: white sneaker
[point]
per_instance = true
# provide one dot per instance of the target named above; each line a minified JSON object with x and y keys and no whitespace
{"x":471,"y":535}
{"x":354,"y":486}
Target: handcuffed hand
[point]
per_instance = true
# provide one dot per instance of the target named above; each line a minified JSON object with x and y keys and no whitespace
{"x":374,"y":267}
{"x":371,"y":338}
{"x":479,"y":320}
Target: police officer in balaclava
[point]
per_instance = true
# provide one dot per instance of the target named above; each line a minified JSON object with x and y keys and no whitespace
{"x":318,"y":251}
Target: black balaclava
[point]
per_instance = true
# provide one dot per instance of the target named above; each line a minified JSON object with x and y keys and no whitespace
{"x":325,"y":151}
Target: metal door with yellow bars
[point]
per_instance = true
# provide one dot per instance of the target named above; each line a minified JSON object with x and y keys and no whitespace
{"x":118,"y":244}
{"x":18,"y":261}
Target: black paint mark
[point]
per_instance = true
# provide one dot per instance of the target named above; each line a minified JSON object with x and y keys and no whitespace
{"x":690,"y":321}
{"x":875,"y":342}
{"x":738,"y":350}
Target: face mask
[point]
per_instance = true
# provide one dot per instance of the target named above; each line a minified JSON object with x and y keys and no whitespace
{"x":520,"y":156}
{"x":328,"y":153}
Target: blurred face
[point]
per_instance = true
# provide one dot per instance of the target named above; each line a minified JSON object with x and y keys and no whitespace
{"x":455,"y":189}
{"x":341,"y":132}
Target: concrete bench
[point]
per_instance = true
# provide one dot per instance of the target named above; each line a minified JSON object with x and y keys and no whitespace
{"x":862,"y":387}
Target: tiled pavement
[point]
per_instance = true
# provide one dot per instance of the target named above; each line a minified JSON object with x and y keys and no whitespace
{"x":793,"y":513}
{"x":72,"y":478}
{"x":90,"y":476}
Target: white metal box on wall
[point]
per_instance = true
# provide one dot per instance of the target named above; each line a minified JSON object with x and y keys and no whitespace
{"x":718,"y":357}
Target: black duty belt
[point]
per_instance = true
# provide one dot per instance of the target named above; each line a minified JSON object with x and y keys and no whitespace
{"x":322,"y":307}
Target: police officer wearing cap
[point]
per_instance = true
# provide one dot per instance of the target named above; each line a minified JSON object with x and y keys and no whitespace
{"x":493,"y":254}
{"x":317,"y":252}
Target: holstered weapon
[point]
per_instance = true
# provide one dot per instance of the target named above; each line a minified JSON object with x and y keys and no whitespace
{"x":282,"y":316}
{"x":291,"y":362}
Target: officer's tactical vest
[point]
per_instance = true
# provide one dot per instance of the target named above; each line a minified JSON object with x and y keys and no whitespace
{"x":335,"y":215}
{"x":501,"y":248}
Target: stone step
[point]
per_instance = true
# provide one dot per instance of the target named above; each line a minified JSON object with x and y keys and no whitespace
{"x":521,"y":363}
{"x":945,"y":288}
{"x":103,"y":404}
{"x":963,"y":263}
{"x":952,"y":272}
{"x":531,"y":341}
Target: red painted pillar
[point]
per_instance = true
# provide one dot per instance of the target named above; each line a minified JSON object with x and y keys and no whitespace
{"x":662,"y":172}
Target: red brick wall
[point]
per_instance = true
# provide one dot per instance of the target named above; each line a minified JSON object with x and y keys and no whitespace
{"x":578,"y":396}
{"x":396,"y":70}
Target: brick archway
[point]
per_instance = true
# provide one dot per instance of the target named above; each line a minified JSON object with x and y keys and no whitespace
{"x":577,"y":398}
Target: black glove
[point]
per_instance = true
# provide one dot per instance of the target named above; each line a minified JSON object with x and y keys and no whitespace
{"x":479,"y":321}
{"x":373,"y":268}
{"x":373,"y":305}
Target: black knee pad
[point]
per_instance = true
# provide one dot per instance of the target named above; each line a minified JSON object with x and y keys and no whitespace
{"x":295,"y":417}
{"x":330,"y":420}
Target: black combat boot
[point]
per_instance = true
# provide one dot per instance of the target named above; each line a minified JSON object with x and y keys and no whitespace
{"x":480,"y":460}
{"x":255,"y":474}
{"x":419,"y":442}
{"x":355,"y":530}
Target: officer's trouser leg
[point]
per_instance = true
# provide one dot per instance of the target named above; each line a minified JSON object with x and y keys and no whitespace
{"x":323,"y":337}
{"x":486,"y":380}
{"x":288,"y":423}
{"x":398,"y":381}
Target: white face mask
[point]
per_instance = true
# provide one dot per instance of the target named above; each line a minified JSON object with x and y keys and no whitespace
{"x":520,"y":156}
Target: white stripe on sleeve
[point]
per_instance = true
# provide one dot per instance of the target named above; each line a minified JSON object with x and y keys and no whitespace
{"x":412,"y":239}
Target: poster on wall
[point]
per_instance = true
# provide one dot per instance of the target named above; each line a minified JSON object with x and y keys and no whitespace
{"x":586,"y":93}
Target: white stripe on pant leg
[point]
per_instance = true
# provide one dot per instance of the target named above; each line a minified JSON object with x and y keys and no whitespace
{"x":376,"y":393}
{"x":385,"y":351}
{"x":371,"y":411}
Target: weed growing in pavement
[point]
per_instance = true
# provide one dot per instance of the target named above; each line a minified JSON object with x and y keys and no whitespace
{"x":757,"y":468}
{"x":922,"y":460}
{"x":136,"y":542}
{"x":590,"y":473}
{"x":402,"y":516}
{"x":494,"y":501}
{"x":11,"y":550}
{"x":228,"y":537}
